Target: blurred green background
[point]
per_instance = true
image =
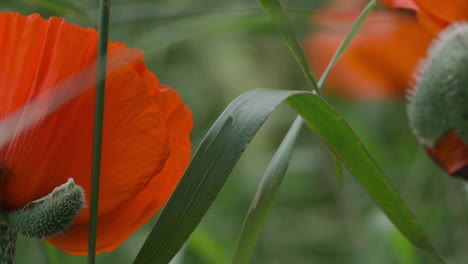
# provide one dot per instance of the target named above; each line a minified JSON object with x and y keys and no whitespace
{"x":211,"y":51}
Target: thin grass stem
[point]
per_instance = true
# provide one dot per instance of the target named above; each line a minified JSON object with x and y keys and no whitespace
{"x":98,"y":120}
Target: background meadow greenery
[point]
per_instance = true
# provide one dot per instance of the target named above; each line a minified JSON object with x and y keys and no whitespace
{"x":211,"y":52}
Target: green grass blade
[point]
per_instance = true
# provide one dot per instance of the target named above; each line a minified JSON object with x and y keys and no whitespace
{"x":98,"y":121}
{"x":263,"y":202}
{"x":276,"y":13}
{"x":354,"y":29}
{"x":223,"y":146}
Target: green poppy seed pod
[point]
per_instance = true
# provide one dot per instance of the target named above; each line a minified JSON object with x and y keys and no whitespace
{"x":438,"y":104}
{"x":49,"y":215}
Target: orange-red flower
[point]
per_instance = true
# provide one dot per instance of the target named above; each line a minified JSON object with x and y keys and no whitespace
{"x":146,"y":145}
{"x":379,"y":62}
{"x":435,"y":14}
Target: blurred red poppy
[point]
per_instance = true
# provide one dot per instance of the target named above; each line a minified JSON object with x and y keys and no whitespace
{"x":435,"y":14}
{"x":379,"y":62}
{"x":146,"y":145}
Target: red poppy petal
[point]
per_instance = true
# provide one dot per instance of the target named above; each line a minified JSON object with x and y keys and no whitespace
{"x":451,"y":153}
{"x":139,"y":210}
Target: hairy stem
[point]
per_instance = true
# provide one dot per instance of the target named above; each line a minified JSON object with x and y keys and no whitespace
{"x":7,"y":244}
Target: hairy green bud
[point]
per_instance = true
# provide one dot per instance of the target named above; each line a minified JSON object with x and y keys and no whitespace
{"x":50,"y":215}
{"x":439,"y":102}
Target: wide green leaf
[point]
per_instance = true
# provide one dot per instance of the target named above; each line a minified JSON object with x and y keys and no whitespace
{"x":223,"y":146}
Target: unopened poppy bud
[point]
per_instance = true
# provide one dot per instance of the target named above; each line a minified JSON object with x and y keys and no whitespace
{"x":438,"y":106}
{"x":50,"y":215}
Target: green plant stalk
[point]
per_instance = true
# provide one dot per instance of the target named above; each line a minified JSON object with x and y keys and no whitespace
{"x":98,"y":120}
{"x":7,"y":244}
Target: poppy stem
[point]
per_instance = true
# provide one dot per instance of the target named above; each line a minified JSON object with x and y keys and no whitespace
{"x":7,"y":244}
{"x":98,"y":126}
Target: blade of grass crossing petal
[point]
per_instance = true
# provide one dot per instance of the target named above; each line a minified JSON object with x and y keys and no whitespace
{"x":223,"y":146}
{"x":354,"y":29}
{"x":276,"y":13}
{"x":264,"y":198}
{"x":98,"y":121}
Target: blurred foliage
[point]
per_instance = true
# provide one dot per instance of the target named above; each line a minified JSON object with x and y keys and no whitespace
{"x":213,"y":50}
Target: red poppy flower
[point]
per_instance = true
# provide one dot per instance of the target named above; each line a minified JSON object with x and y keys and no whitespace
{"x":435,"y":14}
{"x":379,"y":62}
{"x":146,"y":145}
